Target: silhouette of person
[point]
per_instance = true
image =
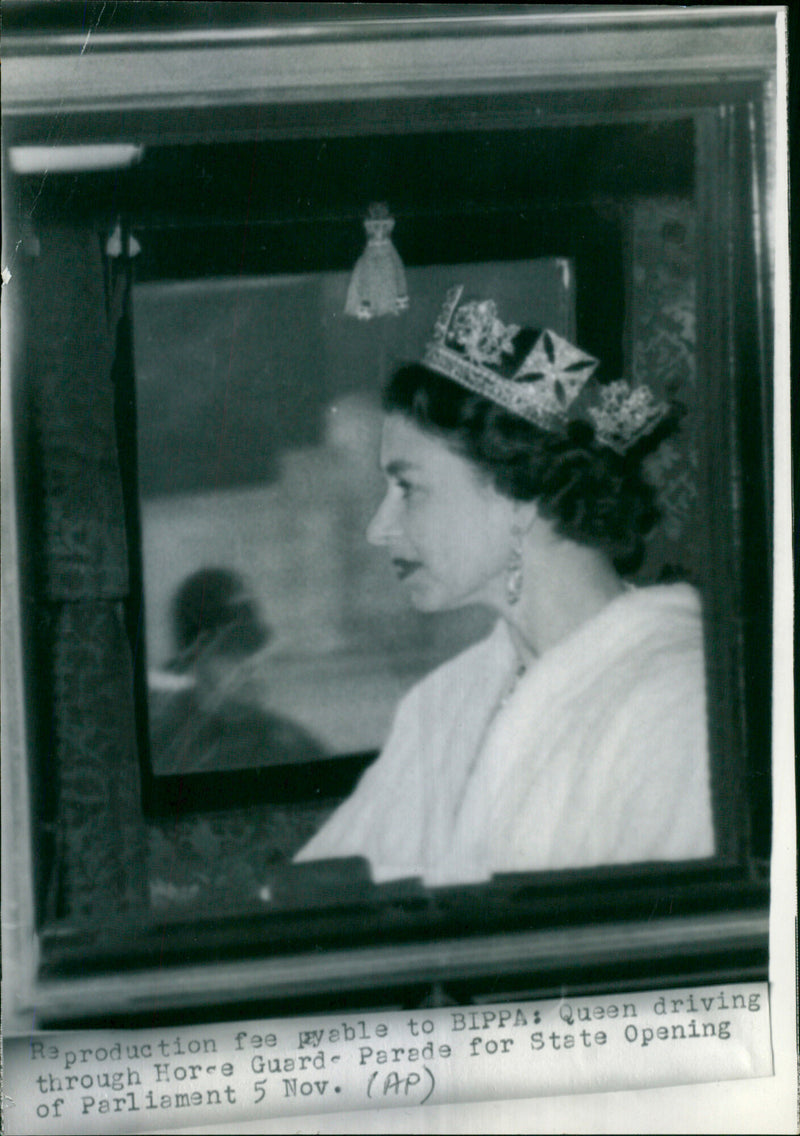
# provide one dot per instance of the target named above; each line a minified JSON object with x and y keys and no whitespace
{"x":204,"y":715}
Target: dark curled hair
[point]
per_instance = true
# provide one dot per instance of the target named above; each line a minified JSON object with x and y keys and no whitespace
{"x":593,"y":495}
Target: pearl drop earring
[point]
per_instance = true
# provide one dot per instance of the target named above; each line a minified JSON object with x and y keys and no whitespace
{"x":514,"y":569}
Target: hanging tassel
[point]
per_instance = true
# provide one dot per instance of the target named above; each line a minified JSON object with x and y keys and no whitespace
{"x":114,"y":243}
{"x":378,"y":283}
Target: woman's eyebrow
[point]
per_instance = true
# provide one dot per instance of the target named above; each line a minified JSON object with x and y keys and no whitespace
{"x":398,"y":466}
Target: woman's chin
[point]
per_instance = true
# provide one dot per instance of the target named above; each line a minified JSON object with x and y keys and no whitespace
{"x":424,"y":604}
{"x":424,"y":598}
{"x":430,"y":600}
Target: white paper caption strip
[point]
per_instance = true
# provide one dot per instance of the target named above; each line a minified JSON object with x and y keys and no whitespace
{"x":108,"y":1082}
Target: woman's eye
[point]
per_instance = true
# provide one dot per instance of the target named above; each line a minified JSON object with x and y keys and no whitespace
{"x":405,"y":489}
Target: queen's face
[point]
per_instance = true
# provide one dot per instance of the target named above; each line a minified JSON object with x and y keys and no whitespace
{"x":445,"y":527}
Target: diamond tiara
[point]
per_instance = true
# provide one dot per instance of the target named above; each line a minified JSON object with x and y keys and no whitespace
{"x":468,"y":346}
{"x":474,"y":348}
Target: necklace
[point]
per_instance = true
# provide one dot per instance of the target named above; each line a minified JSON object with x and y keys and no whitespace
{"x":512,"y":683}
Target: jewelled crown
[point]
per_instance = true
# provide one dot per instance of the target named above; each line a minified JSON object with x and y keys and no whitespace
{"x":537,"y":375}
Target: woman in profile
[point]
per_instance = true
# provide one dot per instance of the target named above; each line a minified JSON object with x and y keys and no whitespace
{"x":575,"y":734}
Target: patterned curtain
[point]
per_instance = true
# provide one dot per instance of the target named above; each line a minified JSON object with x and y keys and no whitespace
{"x":663,"y":268}
{"x":75,"y":296}
{"x":661,"y":333}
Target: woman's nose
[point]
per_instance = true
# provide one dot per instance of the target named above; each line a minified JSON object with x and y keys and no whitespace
{"x":383,"y":526}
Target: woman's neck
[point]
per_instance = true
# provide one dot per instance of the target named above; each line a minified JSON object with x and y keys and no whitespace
{"x":564,"y":586}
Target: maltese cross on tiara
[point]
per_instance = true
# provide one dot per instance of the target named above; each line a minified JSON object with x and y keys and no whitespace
{"x":561,"y":369}
{"x":468,"y":345}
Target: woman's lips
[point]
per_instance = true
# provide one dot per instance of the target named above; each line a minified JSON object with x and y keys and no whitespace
{"x":404,"y":568}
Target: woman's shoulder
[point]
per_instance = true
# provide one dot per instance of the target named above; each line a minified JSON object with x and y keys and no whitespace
{"x":642,"y":653}
{"x":678,"y":598}
{"x":664,"y":669}
{"x":666,"y":613}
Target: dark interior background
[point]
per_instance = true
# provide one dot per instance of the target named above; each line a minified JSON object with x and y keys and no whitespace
{"x":296,"y":205}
